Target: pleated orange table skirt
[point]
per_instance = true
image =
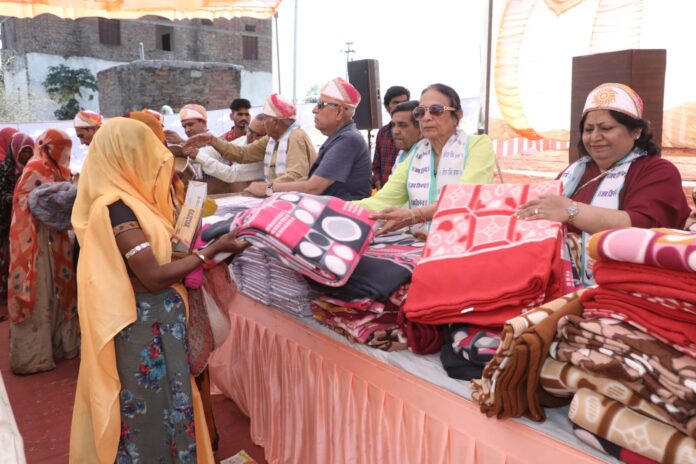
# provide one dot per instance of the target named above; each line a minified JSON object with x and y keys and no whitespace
{"x":312,"y":399}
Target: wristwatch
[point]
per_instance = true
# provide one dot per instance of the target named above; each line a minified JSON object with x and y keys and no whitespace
{"x":269,"y":189}
{"x":572,"y":211}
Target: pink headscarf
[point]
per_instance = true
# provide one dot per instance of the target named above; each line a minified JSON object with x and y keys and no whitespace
{"x":18,"y":142}
{"x":6,"y":134}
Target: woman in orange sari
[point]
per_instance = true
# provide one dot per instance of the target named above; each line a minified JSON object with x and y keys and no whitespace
{"x":21,"y":149}
{"x":41,"y":289}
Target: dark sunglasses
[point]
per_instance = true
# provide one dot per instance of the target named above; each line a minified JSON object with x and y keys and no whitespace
{"x":435,"y":110}
{"x":322,"y":104}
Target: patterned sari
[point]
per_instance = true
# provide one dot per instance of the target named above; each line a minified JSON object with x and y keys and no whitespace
{"x":10,"y":170}
{"x":41,"y":291}
{"x":50,"y":164}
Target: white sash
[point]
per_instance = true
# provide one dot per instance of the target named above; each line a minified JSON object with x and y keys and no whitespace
{"x":401,"y":157}
{"x":280,"y":167}
{"x":423,"y":185}
{"x":606,"y":196}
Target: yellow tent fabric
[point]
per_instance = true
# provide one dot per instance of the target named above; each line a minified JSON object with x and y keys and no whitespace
{"x":131,"y":9}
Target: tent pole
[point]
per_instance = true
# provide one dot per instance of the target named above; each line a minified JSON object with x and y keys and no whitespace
{"x":275,"y":16}
{"x":294,"y":58}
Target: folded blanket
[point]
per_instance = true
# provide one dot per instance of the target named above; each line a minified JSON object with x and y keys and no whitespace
{"x":319,"y":236}
{"x":481,"y":264}
{"x":677,"y":328}
{"x":665,"y":248}
{"x":649,"y":280}
{"x":386,"y":265}
{"x":363,"y":304}
{"x":379,"y":331}
{"x":509,"y":385}
{"x":655,"y":371}
{"x":419,"y":338}
{"x":628,"y":429}
{"x":609,"y":448}
{"x":52,"y":204}
{"x":563,"y":380}
{"x":266,"y":279}
{"x":467,"y":349}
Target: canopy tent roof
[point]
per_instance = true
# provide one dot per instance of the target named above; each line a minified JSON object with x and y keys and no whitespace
{"x":131,"y":9}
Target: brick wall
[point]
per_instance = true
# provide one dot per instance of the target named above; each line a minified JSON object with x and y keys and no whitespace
{"x":152,"y":83}
{"x":191,"y":39}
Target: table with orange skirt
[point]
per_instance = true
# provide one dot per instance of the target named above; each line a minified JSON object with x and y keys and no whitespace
{"x":314,"y":397}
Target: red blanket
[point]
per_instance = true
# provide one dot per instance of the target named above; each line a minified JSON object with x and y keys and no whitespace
{"x":483,"y":266}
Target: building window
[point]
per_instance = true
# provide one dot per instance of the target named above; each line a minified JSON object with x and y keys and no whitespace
{"x":206,"y":22}
{"x":250,"y":47}
{"x":249,"y":28}
{"x":109,"y":31}
{"x":165,"y":38}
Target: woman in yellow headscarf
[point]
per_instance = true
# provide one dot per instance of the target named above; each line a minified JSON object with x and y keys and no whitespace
{"x":135,"y":398}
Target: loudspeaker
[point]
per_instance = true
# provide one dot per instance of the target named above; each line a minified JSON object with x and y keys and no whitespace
{"x":642,"y":70}
{"x":364,"y":75}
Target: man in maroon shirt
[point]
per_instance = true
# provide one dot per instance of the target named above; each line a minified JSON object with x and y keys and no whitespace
{"x":239,"y":114}
{"x":385,"y":149}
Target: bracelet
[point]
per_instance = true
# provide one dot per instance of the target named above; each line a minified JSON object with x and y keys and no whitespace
{"x":422,"y":215}
{"x":200,"y":256}
{"x":136,"y":249}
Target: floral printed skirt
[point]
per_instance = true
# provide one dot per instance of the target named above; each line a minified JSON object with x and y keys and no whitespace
{"x":156,"y":402}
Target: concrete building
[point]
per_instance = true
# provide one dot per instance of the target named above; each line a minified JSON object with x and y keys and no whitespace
{"x":31,"y":46}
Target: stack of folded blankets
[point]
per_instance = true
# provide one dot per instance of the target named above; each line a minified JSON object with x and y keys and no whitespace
{"x":481,"y":264}
{"x":265,"y":279}
{"x":367,"y":308}
{"x":621,"y":353}
{"x":631,"y":354}
{"x":509,"y":386}
{"x":320,"y":237}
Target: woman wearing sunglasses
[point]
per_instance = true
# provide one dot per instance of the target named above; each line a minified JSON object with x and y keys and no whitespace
{"x":445,"y":155}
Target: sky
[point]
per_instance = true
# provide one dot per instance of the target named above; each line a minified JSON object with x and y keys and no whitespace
{"x":415,"y":46}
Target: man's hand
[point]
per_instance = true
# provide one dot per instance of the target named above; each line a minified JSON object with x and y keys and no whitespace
{"x":190,"y":152}
{"x":173,"y":137}
{"x":200,"y":140}
{"x":258,"y":189}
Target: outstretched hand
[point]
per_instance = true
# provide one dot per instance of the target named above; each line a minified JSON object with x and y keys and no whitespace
{"x":198,"y":141}
{"x":394,"y":219}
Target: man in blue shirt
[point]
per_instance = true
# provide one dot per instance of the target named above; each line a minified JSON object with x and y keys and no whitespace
{"x":343,"y":168}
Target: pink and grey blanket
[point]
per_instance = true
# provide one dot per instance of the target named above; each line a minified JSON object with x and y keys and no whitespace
{"x":386,"y":265}
{"x":319,"y":236}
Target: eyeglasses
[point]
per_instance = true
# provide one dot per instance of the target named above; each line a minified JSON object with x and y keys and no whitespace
{"x":435,"y":110}
{"x":322,"y":104}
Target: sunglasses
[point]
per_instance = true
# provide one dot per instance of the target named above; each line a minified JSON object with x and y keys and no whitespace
{"x":435,"y":110}
{"x":322,"y":104}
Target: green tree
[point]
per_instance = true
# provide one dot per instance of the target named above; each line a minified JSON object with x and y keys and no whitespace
{"x":65,"y":84}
